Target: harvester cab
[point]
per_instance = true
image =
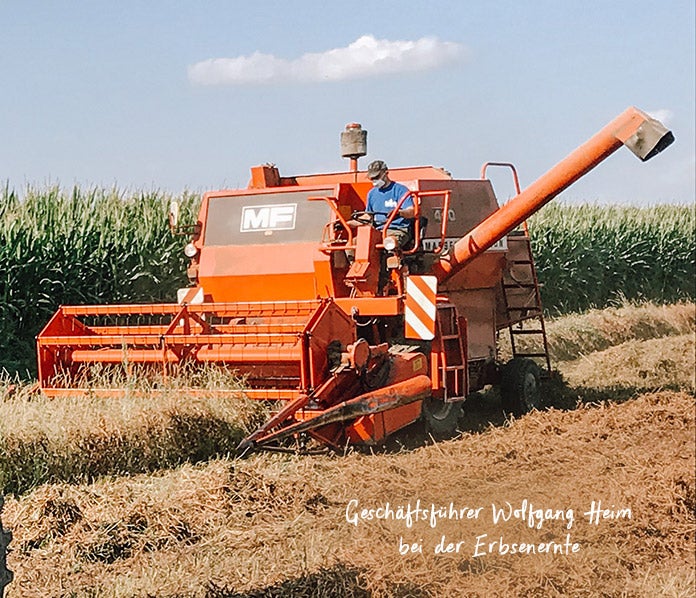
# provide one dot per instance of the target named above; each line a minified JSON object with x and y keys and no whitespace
{"x":350,"y":337}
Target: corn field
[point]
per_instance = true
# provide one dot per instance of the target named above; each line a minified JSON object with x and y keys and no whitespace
{"x":80,"y":247}
{"x":593,"y":256}
{"x":90,"y":246}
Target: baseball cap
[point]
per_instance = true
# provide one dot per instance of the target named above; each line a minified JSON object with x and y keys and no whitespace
{"x":376,"y":168}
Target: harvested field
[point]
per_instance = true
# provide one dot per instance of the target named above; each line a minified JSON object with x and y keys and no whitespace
{"x":274,"y":525}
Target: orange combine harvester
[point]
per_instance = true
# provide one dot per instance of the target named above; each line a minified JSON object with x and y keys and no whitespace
{"x":350,"y":337}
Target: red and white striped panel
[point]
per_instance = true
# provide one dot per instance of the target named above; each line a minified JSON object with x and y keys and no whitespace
{"x":419,"y":307}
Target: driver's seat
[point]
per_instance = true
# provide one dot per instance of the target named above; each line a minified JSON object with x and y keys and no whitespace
{"x":422,"y":225}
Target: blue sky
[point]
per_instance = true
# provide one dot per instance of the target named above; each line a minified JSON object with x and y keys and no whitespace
{"x":177,"y":95}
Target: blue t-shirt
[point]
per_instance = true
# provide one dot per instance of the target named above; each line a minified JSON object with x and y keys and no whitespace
{"x":385,"y":200}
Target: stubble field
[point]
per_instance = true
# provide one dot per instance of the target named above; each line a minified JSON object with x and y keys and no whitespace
{"x":593,"y":497}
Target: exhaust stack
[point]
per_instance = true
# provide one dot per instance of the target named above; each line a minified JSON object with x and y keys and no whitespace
{"x":353,"y":144}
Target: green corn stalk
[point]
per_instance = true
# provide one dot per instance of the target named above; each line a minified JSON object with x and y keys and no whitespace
{"x":81,"y":246}
{"x":593,"y":256}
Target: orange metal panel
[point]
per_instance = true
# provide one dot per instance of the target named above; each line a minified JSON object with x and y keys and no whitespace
{"x":372,"y":429}
{"x":264,"y":176}
{"x":396,"y":174}
{"x":362,"y":431}
{"x":258,"y":273}
{"x":399,"y":418}
{"x":482,"y":273}
{"x":478,"y":307}
{"x":372,"y":306}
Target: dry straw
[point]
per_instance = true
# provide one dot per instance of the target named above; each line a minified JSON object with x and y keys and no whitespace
{"x":235,"y":527}
{"x":278,"y":526}
{"x":78,"y":439}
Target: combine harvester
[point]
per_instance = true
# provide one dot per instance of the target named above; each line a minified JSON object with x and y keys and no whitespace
{"x":350,"y":337}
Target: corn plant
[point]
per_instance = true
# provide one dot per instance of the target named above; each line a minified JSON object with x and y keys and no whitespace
{"x":84,"y":246}
{"x":593,"y":256}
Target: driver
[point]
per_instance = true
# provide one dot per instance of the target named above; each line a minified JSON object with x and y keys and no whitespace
{"x":384,"y":197}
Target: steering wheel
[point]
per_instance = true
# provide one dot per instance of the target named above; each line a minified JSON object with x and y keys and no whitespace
{"x":363,"y":217}
{"x":367,"y":217}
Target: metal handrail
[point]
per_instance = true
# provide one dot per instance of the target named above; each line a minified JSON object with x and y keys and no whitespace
{"x":506,"y":165}
{"x":416,"y":217}
{"x":333,"y":204}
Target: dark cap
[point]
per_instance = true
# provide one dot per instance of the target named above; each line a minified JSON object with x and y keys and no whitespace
{"x":376,"y":168}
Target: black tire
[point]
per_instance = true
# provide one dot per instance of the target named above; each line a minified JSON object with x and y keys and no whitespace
{"x":440,"y":418}
{"x":520,"y":386}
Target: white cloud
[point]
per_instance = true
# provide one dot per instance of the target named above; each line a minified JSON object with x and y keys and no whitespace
{"x":365,"y":57}
{"x":664,"y":115}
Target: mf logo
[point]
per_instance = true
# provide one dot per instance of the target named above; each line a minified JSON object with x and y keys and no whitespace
{"x":270,"y":217}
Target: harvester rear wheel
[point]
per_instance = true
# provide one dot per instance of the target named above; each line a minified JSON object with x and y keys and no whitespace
{"x":519,"y":386}
{"x":440,"y":418}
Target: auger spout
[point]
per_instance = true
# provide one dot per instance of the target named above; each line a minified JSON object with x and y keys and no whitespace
{"x":642,"y":134}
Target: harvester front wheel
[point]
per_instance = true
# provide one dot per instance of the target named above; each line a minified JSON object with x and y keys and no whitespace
{"x":440,"y":418}
{"x":519,"y":386}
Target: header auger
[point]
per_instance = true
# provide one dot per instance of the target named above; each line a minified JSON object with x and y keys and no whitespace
{"x":350,"y":338}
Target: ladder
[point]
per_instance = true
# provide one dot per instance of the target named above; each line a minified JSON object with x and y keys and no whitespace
{"x":521,"y":295}
{"x":451,"y":332}
{"x":522,"y":298}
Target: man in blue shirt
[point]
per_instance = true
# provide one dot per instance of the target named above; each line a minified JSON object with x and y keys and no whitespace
{"x":384,"y":197}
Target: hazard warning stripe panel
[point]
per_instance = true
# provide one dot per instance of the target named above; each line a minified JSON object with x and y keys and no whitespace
{"x":420,"y":307}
